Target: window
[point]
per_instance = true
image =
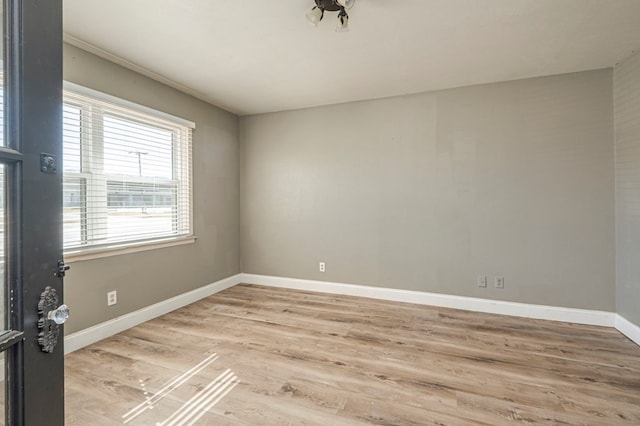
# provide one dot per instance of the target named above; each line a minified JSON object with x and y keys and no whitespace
{"x":127,"y":174}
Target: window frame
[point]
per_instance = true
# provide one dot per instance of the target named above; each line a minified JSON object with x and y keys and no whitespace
{"x":90,"y":206}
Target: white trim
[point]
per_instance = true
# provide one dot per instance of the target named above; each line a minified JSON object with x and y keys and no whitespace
{"x":104,"y":97}
{"x":554,"y":313}
{"x":628,"y":328}
{"x":88,"y":47}
{"x":109,"y":328}
{"x":106,"y":329}
{"x":124,"y":248}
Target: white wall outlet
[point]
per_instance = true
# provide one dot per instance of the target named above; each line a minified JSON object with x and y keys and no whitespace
{"x":112,"y":298}
{"x":482,"y":280}
{"x":499,"y":282}
{"x":322,"y":267}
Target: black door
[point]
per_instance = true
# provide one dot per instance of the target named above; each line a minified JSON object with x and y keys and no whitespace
{"x":31,"y":212}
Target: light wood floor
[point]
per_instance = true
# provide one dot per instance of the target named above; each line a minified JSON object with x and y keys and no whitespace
{"x":252,"y":355}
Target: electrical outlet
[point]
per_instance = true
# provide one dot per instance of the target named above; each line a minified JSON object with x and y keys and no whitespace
{"x":112,"y":298}
{"x":499,"y":282}
{"x":482,"y":281}
{"x":322,"y":267}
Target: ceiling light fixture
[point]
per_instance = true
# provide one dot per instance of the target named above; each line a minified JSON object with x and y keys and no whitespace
{"x":341,"y":6}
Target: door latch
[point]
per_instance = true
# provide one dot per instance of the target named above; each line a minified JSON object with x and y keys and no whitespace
{"x":62,"y":269}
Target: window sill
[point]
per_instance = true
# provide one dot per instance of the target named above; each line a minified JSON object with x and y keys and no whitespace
{"x":79,"y":256}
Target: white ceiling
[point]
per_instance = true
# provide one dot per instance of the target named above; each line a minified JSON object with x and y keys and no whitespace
{"x":254,"y":56}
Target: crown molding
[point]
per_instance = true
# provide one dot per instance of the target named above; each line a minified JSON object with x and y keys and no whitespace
{"x":111,"y":57}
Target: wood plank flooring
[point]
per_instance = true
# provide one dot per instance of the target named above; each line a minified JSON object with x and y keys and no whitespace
{"x":253,"y":355}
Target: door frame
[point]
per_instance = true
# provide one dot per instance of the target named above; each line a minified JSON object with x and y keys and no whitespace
{"x":34,"y":380}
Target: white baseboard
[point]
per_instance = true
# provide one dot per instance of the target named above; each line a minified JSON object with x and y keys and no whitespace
{"x":109,"y":328}
{"x":628,"y":328}
{"x":554,"y":313}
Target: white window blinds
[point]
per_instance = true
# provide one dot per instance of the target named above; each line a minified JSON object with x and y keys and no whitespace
{"x":127,"y":175}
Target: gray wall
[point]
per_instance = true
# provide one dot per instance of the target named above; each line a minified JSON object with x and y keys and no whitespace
{"x":144,"y":278}
{"x":425,"y":192}
{"x":627,"y":173}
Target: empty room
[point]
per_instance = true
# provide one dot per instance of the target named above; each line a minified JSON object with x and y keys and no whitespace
{"x":320,"y":212}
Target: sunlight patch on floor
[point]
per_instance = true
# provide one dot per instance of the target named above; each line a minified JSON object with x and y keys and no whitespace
{"x":195,"y":407}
